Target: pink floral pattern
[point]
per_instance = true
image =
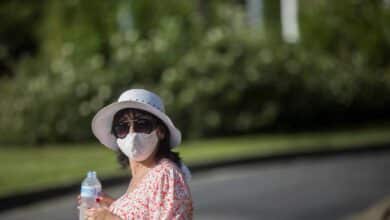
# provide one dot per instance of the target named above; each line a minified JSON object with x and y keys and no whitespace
{"x":162,"y":194}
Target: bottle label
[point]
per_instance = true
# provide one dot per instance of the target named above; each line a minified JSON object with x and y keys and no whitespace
{"x":88,"y":191}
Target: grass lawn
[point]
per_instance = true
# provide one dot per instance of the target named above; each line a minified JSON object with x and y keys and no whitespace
{"x":26,"y":169}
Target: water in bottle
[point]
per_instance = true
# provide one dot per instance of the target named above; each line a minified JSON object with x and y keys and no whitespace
{"x":90,"y":189}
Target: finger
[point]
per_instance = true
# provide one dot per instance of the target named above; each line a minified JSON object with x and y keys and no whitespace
{"x":89,"y":212}
{"x":105,"y":208}
{"x":101,"y":199}
{"x":103,"y":202}
{"x":79,"y":199}
{"x":99,"y":209}
{"x":90,"y":215}
{"x":108,"y":201}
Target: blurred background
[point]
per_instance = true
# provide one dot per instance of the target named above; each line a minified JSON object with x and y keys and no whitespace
{"x":240,"y":79}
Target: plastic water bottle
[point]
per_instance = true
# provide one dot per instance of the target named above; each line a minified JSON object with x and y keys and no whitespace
{"x":90,"y":189}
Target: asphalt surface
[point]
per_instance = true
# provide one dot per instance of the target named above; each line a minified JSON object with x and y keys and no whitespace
{"x":322,"y":188}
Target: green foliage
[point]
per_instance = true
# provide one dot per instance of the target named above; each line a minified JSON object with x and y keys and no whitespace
{"x":18,"y":34}
{"x":351,"y":30}
{"x":217,"y":77}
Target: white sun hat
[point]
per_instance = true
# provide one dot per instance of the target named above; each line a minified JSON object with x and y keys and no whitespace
{"x":136,"y":99}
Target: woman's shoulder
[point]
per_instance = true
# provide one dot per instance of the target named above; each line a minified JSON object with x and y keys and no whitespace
{"x":167,"y":169}
{"x":168,"y":177}
{"x":165,"y":165}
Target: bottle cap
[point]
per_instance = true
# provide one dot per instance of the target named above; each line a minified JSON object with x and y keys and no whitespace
{"x":91,"y":174}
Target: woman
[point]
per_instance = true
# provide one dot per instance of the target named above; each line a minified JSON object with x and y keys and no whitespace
{"x":143,"y":135}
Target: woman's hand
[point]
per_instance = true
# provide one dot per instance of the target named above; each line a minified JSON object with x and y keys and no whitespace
{"x":99,"y":214}
{"x":103,"y":199}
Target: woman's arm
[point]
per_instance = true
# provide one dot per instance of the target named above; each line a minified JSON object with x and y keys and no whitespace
{"x":171,"y":197}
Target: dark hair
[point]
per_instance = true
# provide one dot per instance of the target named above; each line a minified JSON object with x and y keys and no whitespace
{"x":163,"y":148}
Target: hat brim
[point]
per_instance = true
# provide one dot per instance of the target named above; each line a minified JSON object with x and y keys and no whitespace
{"x":102,"y":123}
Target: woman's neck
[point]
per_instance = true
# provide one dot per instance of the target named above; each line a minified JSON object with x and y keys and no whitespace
{"x":139,"y":169}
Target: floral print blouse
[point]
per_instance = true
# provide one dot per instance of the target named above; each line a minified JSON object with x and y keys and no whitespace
{"x":162,"y":194}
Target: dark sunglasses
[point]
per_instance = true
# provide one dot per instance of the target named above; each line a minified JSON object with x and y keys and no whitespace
{"x":121,"y":129}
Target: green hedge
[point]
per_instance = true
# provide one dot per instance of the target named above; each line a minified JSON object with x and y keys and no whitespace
{"x":215,"y":80}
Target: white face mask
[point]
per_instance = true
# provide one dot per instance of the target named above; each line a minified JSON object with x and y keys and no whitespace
{"x":138,"y":146}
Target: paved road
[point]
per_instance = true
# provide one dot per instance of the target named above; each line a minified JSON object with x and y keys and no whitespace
{"x":326,"y":188}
